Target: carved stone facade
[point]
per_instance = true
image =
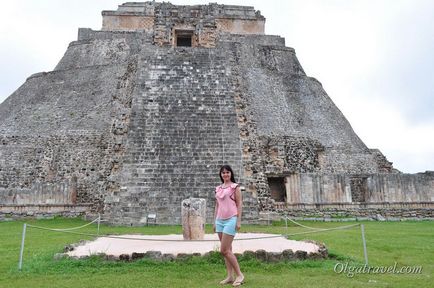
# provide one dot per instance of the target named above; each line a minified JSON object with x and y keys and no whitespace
{"x":142,"y":114}
{"x":201,"y":24}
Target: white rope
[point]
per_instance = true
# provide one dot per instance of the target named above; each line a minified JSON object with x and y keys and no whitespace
{"x":329,"y":229}
{"x":304,"y":226}
{"x":173,"y":240}
{"x":73,"y":228}
{"x":148,"y":239}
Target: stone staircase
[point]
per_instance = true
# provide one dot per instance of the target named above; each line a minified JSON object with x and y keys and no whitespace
{"x":181,"y":132}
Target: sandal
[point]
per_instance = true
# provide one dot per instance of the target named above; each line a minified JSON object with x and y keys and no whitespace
{"x":226,"y":281}
{"x":238,"y":281}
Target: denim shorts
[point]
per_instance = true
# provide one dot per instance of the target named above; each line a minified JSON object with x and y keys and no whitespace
{"x":227,"y":226}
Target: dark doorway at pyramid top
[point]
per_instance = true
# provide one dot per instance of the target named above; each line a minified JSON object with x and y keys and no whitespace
{"x":184,"y":38}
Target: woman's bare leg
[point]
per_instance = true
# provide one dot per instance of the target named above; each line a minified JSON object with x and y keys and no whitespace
{"x":229,"y":268}
{"x":226,"y":251}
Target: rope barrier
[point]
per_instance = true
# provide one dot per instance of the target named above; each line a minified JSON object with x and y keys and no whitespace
{"x":65,"y":230}
{"x":304,"y":226}
{"x":175,"y":240}
{"x":73,"y":228}
{"x":69,"y":230}
{"x":328,"y":229}
{"x":147,"y":239}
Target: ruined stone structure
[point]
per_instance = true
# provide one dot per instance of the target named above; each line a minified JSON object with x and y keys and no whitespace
{"x":140,"y":115}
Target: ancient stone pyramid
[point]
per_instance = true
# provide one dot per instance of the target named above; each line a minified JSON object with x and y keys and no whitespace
{"x":140,"y":115}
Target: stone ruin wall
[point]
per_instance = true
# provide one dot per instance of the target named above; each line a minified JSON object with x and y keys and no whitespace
{"x":58,"y":174}
{"x":47,"y":163}
{"x":164,"y":18}
{"x":312,"y":188}
{"x":400,"y":211}
{"x":44,"y":170}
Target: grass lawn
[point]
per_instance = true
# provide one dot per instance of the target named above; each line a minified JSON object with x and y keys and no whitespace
{"x":406,"y":243}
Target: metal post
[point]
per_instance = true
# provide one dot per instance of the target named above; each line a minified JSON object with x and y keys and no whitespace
{"x":365,"y":252}
{"x":268,"y":218}
{"x":99,"y":221}
{"x":20,"y":264}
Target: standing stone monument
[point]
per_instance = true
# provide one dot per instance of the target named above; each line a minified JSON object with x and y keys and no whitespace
{"x":193,"y":218}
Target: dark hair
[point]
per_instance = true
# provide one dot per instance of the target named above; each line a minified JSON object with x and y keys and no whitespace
{"x":227,"y":168}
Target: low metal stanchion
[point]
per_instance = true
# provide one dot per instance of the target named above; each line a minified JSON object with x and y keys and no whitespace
{"x":99,"y":221}
{"x":365,"y":251}
{"x":20,"y":264}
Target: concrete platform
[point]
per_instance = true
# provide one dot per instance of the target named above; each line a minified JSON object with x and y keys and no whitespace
{"x":117,"y":247}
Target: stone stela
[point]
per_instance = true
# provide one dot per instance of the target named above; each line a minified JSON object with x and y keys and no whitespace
{"x":193,"y":218}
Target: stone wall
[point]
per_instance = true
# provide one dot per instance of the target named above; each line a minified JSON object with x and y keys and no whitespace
{"x":129,"y":16}
{"x":131,"y":22}
{"x":240,"y":26}
{"x":53,"y":170}
{"x":400,"y":187}
{"x":69,"y":124}
{"x":43,"y":193}
{"x":318,"y":188}
{"x":164,"y":19}
{"x":42,"y":211}
{"x":357,"y":211}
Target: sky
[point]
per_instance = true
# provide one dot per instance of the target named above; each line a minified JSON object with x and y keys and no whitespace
{"x":374,"y":58}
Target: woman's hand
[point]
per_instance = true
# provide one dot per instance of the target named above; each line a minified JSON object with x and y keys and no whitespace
{"x":238,"y":226}
{"x":213,"y":227}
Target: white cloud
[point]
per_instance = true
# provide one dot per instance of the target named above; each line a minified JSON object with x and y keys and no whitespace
{"x":408,"y":146}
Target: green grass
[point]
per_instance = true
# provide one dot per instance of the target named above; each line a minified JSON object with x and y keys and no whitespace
{"x":406,"y":243}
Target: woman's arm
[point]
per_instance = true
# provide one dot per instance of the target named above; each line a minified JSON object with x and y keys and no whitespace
{"x":215,"y":214}
{"x":239,"y":202}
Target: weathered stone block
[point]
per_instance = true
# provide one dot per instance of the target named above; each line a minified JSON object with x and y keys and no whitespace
{"x":168,"y":257}
{"x":136,"y":255}
{"x":193,"y":212}
{"x":124,"y":257}
{"x":300,"y":255}
{"x":288,"y":255}
{"x":249,"y":254}
{"x":274,"y":256}
{"x":314,"y":256}
{"x":183,"y":256}
{"x":154,"y":255}
{"x":261,"y":255}
{"x":111,"y":258}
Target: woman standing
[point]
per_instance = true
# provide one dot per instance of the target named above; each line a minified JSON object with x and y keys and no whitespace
{"x":227,"y":217}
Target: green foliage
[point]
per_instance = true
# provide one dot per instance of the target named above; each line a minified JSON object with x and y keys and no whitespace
{"x":407,"y":243}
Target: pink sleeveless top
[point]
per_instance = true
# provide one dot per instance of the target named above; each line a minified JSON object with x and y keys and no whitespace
{"x":226,"y":199}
